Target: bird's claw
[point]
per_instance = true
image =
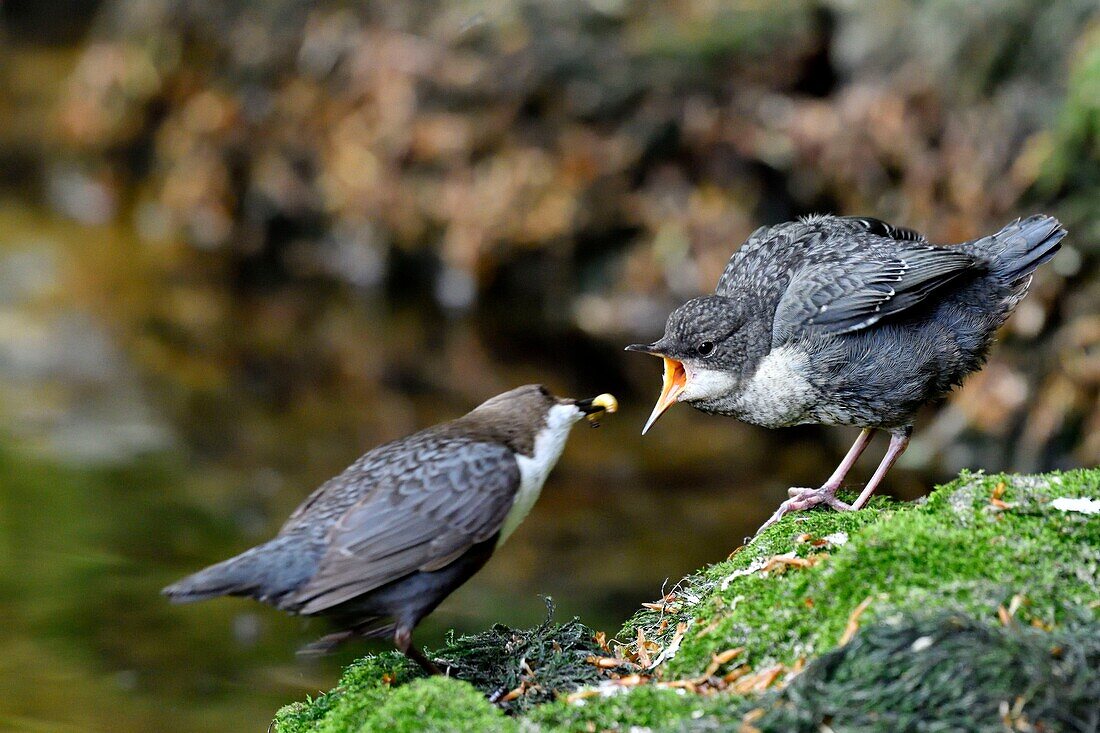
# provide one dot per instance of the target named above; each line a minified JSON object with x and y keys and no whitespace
{"x":802,"y":499}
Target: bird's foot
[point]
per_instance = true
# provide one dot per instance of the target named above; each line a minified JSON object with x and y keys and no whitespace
{"x":426,"y":664}
{"x":802,"y":499}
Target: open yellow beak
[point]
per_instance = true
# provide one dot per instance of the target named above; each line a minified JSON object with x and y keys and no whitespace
{"x":675,"y":380}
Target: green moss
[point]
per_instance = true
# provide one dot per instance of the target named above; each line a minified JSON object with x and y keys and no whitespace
{"x":955,"y":551}
{"x":545,"y":661}
{"x":370,"y":698}
{"x":948,"y":568}
{"x":649,"y":707}
{"x":364,"y":686}
{"x":436,"y":704}
{"x":903,"y":674}
{"x":943,"y":672}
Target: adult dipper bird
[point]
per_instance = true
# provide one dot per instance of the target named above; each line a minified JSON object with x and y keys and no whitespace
{"x":845,"y":321}
{"x":378,"y":547}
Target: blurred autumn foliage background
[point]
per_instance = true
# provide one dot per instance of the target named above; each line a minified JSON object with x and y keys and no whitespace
{"x":588,"y":164}
{"x":266,"y":235}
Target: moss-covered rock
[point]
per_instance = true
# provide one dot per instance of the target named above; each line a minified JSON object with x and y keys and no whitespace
{"x":973,"y":546}
{"x":944,"y":672}
{"x":980,"y":601}
{"x":436,"y":704}
{"x":364,"y":686}
{"x":515,"y":668}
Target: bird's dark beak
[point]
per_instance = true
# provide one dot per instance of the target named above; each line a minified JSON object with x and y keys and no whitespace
{"x":597,"y":405}
{"x":653,"y":348}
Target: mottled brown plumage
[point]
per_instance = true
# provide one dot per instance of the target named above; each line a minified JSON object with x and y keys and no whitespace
{"x":381,"y":545}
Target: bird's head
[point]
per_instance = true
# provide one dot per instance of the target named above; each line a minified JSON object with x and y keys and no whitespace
{"x":702,"y":354}
{"x":520,"y":415}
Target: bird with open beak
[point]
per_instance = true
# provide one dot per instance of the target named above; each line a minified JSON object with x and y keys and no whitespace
{"x":845,"y":321}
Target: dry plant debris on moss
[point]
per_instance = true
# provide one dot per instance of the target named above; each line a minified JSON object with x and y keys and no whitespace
{"x":518,"y":668}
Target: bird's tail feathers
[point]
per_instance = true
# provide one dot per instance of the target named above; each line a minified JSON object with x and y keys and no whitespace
{"x":243,"y":575}
{"x":1018,"y":249}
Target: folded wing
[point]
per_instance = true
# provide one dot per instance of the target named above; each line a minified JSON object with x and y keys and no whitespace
{"x":876,"y":278}
{"x":455,"y":495}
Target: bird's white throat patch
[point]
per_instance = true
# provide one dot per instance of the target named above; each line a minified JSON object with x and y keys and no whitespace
{"x":533,"y":469}
{"x":706,"y":385}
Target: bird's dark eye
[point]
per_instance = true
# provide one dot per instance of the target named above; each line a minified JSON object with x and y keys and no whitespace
{"x":705,"y":348}
{"x":544,"y":391}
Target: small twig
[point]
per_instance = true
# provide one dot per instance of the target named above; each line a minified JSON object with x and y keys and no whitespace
{"x":643,"y":653}
{"x":721,"y":658}
{"x":853,"y":621}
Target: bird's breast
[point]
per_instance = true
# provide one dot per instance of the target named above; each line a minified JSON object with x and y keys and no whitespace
{"x":534,"y":469}
{"x":778,"y":393}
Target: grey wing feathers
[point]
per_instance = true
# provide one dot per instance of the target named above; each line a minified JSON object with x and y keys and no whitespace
{"x":819,"y":232}
{"x":455,"y":497}
{"x":869,"y":283}
{"x":883,"y":229}
{"x":755,"y":241}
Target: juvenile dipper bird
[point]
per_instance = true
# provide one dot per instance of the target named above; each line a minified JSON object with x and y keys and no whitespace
{"x":378,"y":547}
{"x":845,"y":321}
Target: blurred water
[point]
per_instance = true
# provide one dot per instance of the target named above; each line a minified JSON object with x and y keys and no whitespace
{"x":132,"y":455}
